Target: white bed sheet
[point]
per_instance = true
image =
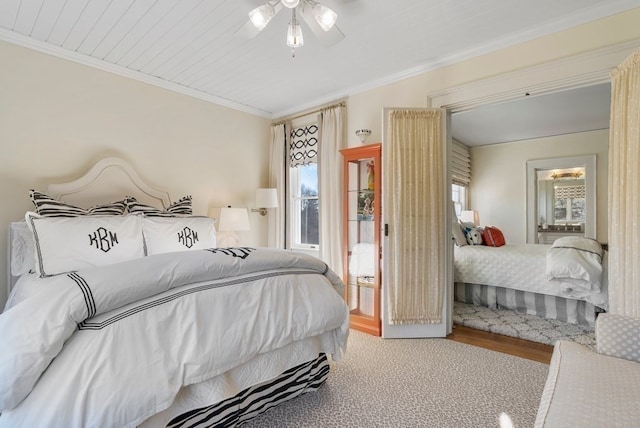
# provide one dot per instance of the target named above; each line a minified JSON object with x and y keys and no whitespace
{"x":520,"y":267}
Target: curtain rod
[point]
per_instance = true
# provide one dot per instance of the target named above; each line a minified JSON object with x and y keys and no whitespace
{"x":318,"y":110}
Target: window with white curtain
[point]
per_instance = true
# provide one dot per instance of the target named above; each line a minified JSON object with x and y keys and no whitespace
{"x":569,"y":203}
{"x":303,"y":221}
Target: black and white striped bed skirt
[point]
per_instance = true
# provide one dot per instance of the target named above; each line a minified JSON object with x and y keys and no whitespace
{"x":257,"y":399}
{"x":545,"y":306}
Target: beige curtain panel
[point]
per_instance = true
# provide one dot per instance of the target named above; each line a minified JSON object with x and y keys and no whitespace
{"x":333,"y":122}
{"x":624,"y":188}
{"x":277,"y":173}
{"x":415,"y":214}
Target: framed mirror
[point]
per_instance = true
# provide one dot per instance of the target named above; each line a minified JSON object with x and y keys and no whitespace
{"x":561,"y":198}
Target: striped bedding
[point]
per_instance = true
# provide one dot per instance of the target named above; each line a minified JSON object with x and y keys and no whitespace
{"x":253,"y":401}
{"x":543,"y":305}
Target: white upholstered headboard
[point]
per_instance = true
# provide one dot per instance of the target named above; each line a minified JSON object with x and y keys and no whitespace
{"x":110,"y":179}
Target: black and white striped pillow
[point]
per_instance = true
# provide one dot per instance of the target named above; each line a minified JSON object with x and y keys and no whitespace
{"x":176,"y":209}
{"x":47,"y":206}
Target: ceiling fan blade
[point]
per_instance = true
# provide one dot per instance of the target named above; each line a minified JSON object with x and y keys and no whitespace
{"x":327,"y":38}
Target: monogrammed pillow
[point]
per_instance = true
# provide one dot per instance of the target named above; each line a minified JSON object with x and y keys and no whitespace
{"x":65,"y":244}
{"x":168,"y":234}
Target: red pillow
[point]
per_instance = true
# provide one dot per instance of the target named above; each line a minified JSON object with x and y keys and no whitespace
{"x":493,"y":237}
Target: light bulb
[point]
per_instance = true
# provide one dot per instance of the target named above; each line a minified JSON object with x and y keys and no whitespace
{"x":290,"y":3}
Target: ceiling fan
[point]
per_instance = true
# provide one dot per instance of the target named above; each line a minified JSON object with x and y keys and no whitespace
{"x":320,"y":19}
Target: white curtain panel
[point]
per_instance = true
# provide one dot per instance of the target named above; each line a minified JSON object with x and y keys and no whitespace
{"x":624,"y":188}
{"x":277,"y":171}
{"x":415,"y":212}
{"x":332,"y":124}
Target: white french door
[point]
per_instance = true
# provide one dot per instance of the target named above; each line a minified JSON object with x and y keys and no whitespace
{"x":402,"y":316}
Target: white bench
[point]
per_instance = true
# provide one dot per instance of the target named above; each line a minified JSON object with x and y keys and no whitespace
{"x":595,"y":389}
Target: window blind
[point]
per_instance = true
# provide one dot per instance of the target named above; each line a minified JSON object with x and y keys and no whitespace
{"x":573,"y":192}
{"x":460,"y":164}
{"x":303,"y":145}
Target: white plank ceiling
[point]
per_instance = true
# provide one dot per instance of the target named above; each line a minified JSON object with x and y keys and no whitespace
{"x":192,"y":46}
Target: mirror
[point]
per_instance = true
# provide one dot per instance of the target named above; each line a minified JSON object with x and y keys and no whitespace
{"x":561,"y":198}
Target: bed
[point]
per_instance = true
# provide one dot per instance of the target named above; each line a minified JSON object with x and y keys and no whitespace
{"x":155,"y":335}
{"x":516,"y":277}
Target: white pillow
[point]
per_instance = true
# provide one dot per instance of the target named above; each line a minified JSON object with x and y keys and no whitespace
{"x":65,"y":244}
{"x":459,"y":236}
{"x":22,"y":249}
{"x":576,"y":263}
{"x":472,"y":233}
{"x":168,"y":234}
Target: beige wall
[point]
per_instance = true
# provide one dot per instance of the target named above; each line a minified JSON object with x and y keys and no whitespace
{"x":365,"y":109}
{"x":499,"y":179}
{"x":57,"y":118}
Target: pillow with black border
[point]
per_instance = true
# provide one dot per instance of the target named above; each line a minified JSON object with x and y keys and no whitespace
{"x":66,"y":244}
{"x":48,"y":206}
{"x":182,"y":207}
{"x":169,"y":234}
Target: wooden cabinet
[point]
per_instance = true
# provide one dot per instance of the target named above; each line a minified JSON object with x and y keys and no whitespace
{"x":361,"y":240}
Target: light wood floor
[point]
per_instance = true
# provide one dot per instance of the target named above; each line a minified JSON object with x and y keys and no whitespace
{"x":497,"y":342}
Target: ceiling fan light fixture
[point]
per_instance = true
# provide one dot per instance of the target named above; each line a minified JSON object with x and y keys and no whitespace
{"x":260,"y":16}
{"x":290,"y":3}
{"x":324,"y":16}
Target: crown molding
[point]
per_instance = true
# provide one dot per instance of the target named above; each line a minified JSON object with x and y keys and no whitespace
{"x":588,"y":15}
{"x":600,"y":11}
{"x":585,"y":69}
{"x":57,"y":51}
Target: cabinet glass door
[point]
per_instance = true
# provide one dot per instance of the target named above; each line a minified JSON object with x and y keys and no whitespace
{"x":362,"y":264}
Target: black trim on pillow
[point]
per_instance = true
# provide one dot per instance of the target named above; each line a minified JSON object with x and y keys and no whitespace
{"x":46,"y":206}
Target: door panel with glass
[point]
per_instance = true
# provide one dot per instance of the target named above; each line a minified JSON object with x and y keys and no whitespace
{"x":361,"y":240}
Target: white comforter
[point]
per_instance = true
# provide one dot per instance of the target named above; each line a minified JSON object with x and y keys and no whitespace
{"x":113,"y":345}
{"x":519,"y":267}
{"x":575,"y":263}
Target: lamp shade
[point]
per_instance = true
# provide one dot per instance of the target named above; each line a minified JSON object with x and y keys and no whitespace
{"x":470,"y":216}
{"x":233,"y":219}
{"x":294,"y":35}
{"x":266,"y":198}
{"x":324,"y":16}
{"x":260,"y":16}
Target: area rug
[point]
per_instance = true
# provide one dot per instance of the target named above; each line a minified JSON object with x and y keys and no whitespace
{"x":524,"y":326}
{"x":416,"y":383}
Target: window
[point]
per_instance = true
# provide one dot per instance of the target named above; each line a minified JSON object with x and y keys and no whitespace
{"x":304,"y":203}
{"x":569,"y":204}
{"x":460,"y":175}
{"x":459,"y":198}
{"x":303,"y":218}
